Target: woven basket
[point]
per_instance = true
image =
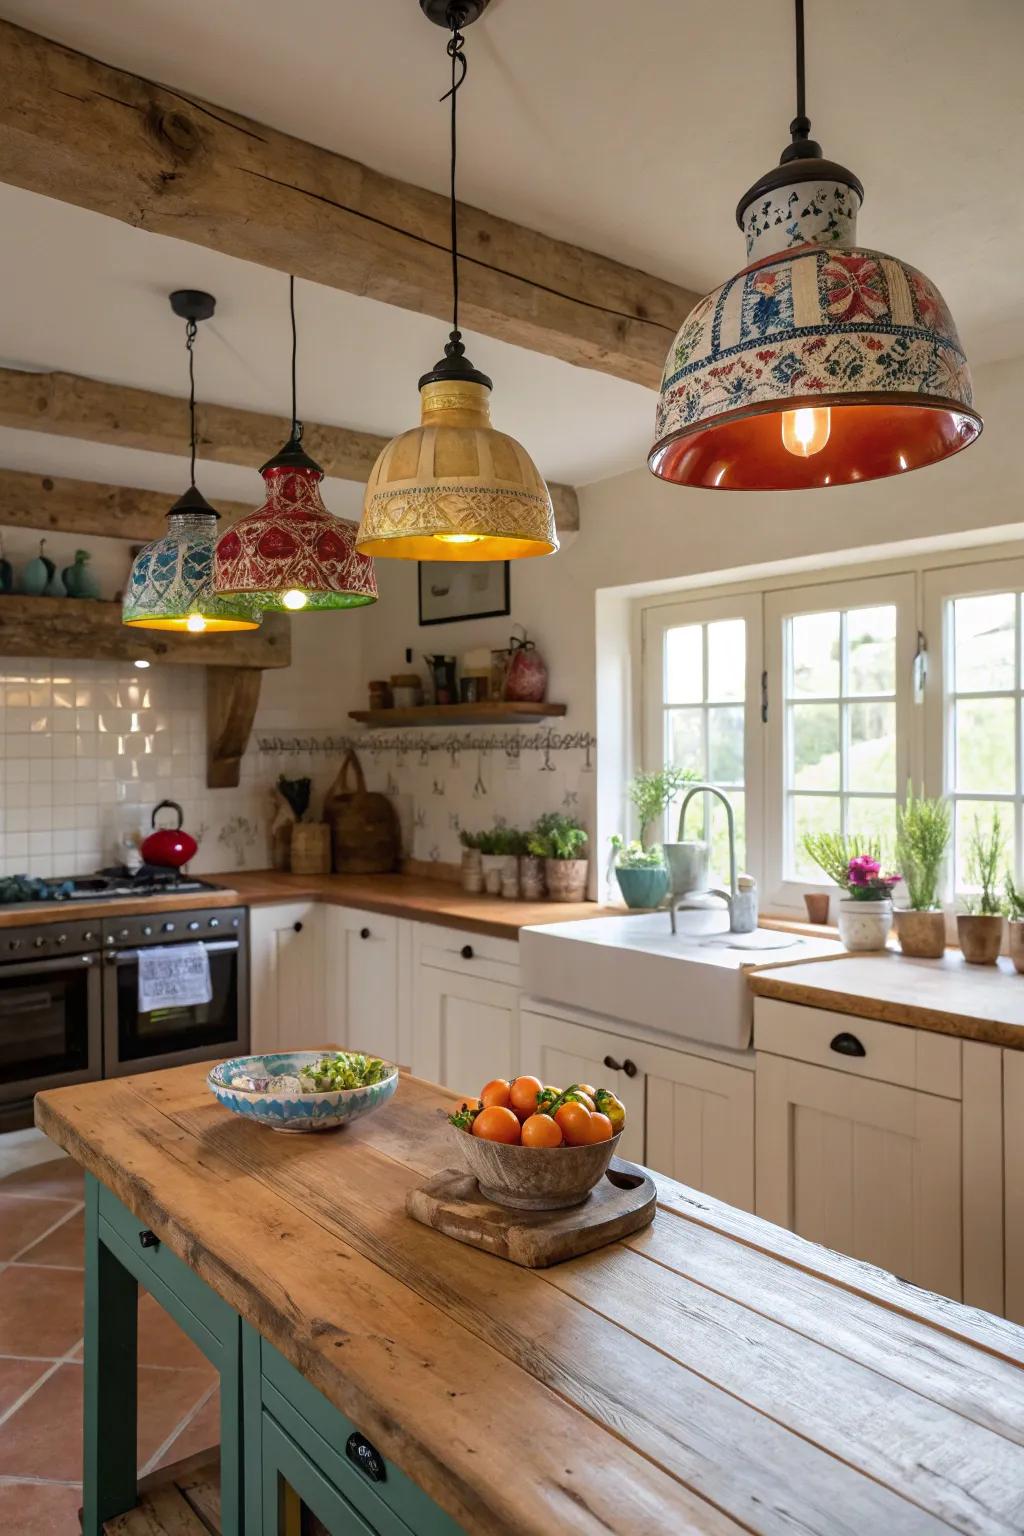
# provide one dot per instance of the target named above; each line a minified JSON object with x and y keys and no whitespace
{"x":364,"y":827}
{"x":311,"y":848}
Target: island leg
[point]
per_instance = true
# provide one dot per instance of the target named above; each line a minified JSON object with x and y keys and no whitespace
{"x":111,"y":1313}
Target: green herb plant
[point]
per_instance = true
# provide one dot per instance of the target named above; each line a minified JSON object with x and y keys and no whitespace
{"x":554,"y":836}
{"x":1014,"y":899}
{"x":502,"y":841}
{"x":635,"y":855}
{"x":470,"y":839}
{"x":651,"y":794}
{"x":985,"y":850}
{"x":923,"y":829}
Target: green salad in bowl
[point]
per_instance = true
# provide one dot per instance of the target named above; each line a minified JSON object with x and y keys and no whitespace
{"x":343,"y":1069}
{"x":304,"y":1090}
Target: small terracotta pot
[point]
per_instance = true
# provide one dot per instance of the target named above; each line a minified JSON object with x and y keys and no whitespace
{"x":921,"y":934}
{"x":816,"y":903}
{"x":980,"y":937}
{"x":566,"y":879}
{"x":1015,"y":933}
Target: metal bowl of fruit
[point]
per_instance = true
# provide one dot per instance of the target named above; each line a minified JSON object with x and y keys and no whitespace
{"x":303,"y":1090}
{"x":537,"y":1148}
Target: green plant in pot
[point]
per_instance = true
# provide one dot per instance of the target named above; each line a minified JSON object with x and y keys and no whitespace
{"x":651,"y":794}
{"x":497,"y":846}
{"x":980,"y":928}
{"x":854,"y":863}
{"x":640,"y":872}
{"x":471,"y":868}
{"x":1015,"y":921}
{"x":561,"y":842}
{"x":923,"y":828}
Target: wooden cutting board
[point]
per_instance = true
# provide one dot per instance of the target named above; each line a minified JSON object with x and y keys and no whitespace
{"x":451,"y":1202}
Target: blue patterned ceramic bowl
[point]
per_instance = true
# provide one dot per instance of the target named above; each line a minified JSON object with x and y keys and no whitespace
{"x":265,"y":1088}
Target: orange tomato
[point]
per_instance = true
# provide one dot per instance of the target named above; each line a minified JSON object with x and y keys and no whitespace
{"x":586,"y":1088}
{"x":573,"y":1120}
{"x":496,"y":1092}
{"x":599,"y":1128}
{"x":523,"y":1095}
{"x":541,"y":1131}
{"x":496,"y":1123}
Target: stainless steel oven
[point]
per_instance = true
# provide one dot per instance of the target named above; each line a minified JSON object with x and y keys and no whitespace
{"x":137,"y":1042}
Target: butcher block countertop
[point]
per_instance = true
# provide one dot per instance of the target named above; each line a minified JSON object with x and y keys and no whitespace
{"x":27,"y":913}
{"x":711,"y":1374}
{"x":973,"y":1002}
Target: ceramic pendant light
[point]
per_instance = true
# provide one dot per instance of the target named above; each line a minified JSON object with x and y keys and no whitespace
{"x":821,"y":363}
{"x":171,"y":581}
{"x":454,"y":488}
{"x":292,"y":553}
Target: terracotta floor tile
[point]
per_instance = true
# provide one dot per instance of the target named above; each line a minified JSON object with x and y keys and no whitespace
{"x":65,"y":1245}
{"x":22,"y":1221}
{"x":16,"y":1376}
{"x":39,"y":1509}
{"x":201,"y":1434}
{"x":59,"y":1179}
{"x":161,"y":1341}
{"x":166,"y":1398}
{"x":40,"y":1310}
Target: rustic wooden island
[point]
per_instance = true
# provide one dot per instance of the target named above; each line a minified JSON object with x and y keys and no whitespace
{"x":712,"y":1373}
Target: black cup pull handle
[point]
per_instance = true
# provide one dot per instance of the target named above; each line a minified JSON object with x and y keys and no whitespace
{"x":297,"y":927}
{"x":149,"y":1239}
{"x":364,"y":1456}
{"x":364,"y":933}
{"x":846,"y":1044}
{"x":466,"y":951}
{"x":630,"y":1067}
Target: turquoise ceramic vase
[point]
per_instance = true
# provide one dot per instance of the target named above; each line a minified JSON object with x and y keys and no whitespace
{"x":642,"y":887}
{"x":78,"y":579}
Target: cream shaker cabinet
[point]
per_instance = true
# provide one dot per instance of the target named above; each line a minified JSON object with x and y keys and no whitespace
{"x":362,"y":975}
{"x":286,"y":976}
{"x":465,"y":1007}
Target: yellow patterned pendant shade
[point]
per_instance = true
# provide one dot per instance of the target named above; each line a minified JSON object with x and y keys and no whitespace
{"x":454,"y":488}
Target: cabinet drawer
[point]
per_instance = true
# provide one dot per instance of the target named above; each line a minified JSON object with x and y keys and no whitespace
{"x":889,"y":1053}
{"x":468,"y":954}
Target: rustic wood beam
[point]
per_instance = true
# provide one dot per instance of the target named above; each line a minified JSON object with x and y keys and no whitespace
{"x":83,"y":507}
{"x":68,"y":405}
{"x":75,"y":129}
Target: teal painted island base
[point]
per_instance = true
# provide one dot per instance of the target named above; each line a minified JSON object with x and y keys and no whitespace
{"x":283,"y":1446}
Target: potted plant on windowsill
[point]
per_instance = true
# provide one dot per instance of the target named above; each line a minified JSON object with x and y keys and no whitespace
{"x":641,"y":873}
{"x":651,"y":794}
{"x":1015,"y":921}
{"x":980,"y":928}
{"x":560,"y":842}
{"x":922,"y":836}
{"x":855,"y":864}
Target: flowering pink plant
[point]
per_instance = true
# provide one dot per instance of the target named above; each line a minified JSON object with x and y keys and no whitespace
{"x":865,"y":881}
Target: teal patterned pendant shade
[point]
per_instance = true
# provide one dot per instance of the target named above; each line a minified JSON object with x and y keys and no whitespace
{"x":171,"y":581}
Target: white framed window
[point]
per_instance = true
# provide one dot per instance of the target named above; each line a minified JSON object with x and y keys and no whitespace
{"x":702,"y":712}
{"x":975,"y":703}
{"x":839,"y":661}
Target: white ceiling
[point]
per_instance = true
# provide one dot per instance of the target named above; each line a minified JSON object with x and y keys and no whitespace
{"x":631,"y":129}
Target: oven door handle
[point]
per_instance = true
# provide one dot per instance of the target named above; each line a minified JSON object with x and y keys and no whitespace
{"x":216,"y":946}
{"x":42,"y":967}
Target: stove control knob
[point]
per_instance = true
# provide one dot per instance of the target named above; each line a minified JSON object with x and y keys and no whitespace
{"x":194,"y":927}
{"x":235,"y":921}
{"x":168,"y":927}
{"x":88,"y":936}
{"x":125,"y":933}
{"x":14,"y":944}
{"x":109,"y":939}
{"x":147,"y":929}
{"x":62,"y":938}
{"x":214,"y":922}
{"x":39,"y":943}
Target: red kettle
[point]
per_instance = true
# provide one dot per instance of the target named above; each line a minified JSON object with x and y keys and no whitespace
{"x":168,"y":847}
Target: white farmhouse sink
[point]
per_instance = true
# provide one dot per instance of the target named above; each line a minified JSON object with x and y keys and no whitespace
{"x":634,"y":969}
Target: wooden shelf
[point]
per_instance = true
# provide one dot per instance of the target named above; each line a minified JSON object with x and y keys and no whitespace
{"x":489,"y":712}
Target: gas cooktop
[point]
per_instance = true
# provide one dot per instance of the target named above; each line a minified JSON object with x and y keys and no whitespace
{"x":105,"y":885}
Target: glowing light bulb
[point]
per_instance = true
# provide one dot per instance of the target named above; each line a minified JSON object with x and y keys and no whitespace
{"x":457,"y":538}
{"x":295,"y":599}
{"x":142,"y":663}
{"x":806,"y":431}
{"x":195,"y":623}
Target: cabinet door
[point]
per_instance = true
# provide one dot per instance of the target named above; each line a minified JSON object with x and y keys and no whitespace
{"x":700,"y":1124}
{"x":286,"y":977}
{"x":1013,"y":1189}
{"x":561,"y":1052}
{"x":362,"y":980}
{"x":298,"y":1500}
{"x":868,"y":1168}
{"x":467,"y":1029}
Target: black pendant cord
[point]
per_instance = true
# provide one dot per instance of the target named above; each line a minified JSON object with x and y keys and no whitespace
{"x":456,"y":45}
{"x":801,"y":145}
{"x":190,"y":338}
{"x":296,"y":423}
{"x":801,"y":91}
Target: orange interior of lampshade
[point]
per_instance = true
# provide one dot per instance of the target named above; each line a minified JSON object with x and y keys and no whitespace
{"x":744,"y":452}
{"x":212,"y":626}
{"x":425,"y":546}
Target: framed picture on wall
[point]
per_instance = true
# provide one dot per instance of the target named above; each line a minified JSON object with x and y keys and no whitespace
{"x":451,"y":590}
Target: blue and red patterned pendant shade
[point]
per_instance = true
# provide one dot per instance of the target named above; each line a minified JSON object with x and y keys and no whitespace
{"x":291,"y":553}
{"x":171,"y":580}
{"x":821,"y":363}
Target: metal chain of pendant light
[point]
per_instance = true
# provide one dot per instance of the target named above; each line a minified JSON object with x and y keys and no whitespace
{"x":454,"y":488}
{"x":291,"y":553}
{"x":821,"y":363}
{"x":171,"y":581}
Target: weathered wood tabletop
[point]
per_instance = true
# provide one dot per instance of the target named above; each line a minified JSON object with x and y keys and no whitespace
{"x":712,"y":1373}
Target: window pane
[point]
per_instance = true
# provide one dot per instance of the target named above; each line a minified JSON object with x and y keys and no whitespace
{"x":725,"y":745}
{"x":812,"y":813}
{"x":983,"y":642}
{"x":871,"y":650}
{"x":684,"y":665}
{"x":727,"y":659}
{"x":873,"y":818}
{"x":968,"y":814}
{"x":814,"y":655}
{"x":685,"y":737}
{"x":815,"y":746}
{"x":720,"y":837}
{"x":985,"y":757}
{"x":872,"y":763}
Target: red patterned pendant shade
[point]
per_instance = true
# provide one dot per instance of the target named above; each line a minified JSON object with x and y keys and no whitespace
{"x":291,"y":550}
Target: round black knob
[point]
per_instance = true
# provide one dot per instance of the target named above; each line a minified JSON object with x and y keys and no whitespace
{"x":297,"y":927}
{"x":364,"y":933}
{"x":369,"y":1460}
{"x":630,"y":1067}
{"x":149,"y":1239}
{"x":466,"y":951}
{"x":612,"y":1064}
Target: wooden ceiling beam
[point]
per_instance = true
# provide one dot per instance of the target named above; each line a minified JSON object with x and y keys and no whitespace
{"x":68,"y":405}
{"x":75,"y":129}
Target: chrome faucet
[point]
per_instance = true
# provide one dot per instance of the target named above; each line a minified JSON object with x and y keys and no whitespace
{"x":742,"y":910}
